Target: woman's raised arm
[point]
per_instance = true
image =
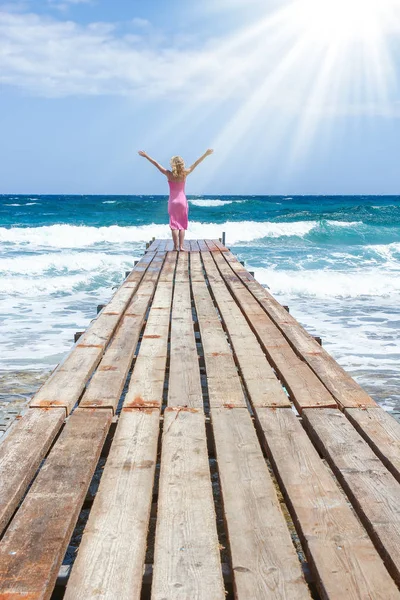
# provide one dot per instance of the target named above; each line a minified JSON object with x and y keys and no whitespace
{"x":154,"y":162}
{"x":199,"y":160}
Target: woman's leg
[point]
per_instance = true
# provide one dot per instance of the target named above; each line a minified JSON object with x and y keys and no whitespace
{"x":181,"y":238}
{"x":175,"y":237}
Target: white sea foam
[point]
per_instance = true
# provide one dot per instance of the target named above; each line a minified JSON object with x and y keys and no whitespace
{"x":344,"y":223}
{"x":214,"y":203}
{"x":15,"y":204}
{"x":31,"y":203}
{"x":332,"y":284}
{"x":109,"y":201}
{"x":72,"y":236}
{"x":210,"y":203}
{"x":54,"y":264}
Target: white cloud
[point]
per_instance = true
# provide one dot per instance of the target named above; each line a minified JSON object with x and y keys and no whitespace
{"x":52,"y":57}
{"x":264,"y":63}
{"x":140,"y":23}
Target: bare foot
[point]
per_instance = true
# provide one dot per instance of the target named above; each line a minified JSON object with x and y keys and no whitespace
{"x":182,"y":249}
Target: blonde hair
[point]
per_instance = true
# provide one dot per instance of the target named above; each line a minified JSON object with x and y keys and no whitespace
{"x":178,"y":167}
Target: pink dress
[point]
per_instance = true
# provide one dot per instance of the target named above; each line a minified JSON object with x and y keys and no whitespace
{"x":178,"y":207}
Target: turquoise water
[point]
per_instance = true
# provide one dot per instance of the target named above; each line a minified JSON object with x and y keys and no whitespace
{"x":334,"y":260}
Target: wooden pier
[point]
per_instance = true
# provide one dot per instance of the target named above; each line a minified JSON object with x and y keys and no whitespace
{"x":236,"y":458}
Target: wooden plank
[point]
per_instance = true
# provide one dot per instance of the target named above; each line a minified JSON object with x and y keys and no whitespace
{"x":220,"y":246}
{"x":154,"y":246}
{"x":194,"y":245}
{"x":186,"y":561}
{"x":373,"y":491}
{"x":211,"y":246}
{"x":34,"y":545}
{"x":202,"y":245}
{"x":21,"y":453}
{"x":111,"y":556}
{"x":382,"y":432}
{"x":261,"y":383}
{"x":184,"y":377}
{"x":106,"y":385}
{"x":347,"y":392}
{"x":304,"y":387}
{"x":224,"y":386}
{"x":264,"y":560}
{"x":146,"y":386}
{"x":196,"y":267}
{"x":342,"y":556}
{"x":138,"y":271}
{"x":66,"y":384}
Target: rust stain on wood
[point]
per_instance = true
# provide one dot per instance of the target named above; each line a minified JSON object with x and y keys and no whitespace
{"x":139,"y":402}
{"x":179,"y":409}
{"x":151,"y":337}
{"x":108,"y":368}
{"x":46,"y":405}
{"x":146,"y":410}
{"x":89,"y":346}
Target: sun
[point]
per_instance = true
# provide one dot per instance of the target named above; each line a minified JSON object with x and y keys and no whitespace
{"x":341,"y":21}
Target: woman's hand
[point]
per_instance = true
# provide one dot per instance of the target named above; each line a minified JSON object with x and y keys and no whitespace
{"x":142,"y":153}
{"x":209,"y":151}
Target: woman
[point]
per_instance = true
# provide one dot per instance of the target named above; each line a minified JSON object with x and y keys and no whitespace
{"x":178,"y":207}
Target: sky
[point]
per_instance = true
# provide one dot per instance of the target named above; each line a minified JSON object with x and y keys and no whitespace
{"x":294,"y":96}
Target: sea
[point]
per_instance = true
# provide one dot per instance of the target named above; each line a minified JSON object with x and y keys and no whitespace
{"x":335,"y":261}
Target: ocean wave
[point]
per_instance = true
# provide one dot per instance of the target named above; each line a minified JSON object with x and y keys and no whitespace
{"x":54,"y":264}
{"x":21,"y":286}
{"x":214,"y":203}
{"x":330,"y":283}
{"x":15,"y":204}
{"x":210,"y":203}
{"x":109,"y":201}
{"x":73,"y":236}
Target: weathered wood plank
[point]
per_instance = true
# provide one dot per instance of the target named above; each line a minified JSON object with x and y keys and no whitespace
{"x":184,"y":377}
{"x":342,"y":556}
{"x":34,"y":545}
{"x":224,"y":386}
{"x":111,"y":556}
{"x":186,"y":561}
{"x":67,"y":383}
{"x":21,"y":453}
{"x":264,"y":560}
{"x":154,"y":246}
{"x":196,"y":267}
{"x":373,"y":491}
{"x":194,"y":245}
{"x":347,"y":392}
{"x":211,"y":246}
{"x":305,"y":389}
{"x":382,"y":432}
{"x":262,"y":385}
{"x":220,"y":246}
{"x":106,"y":385}
{"x":202,"y":245}
{"x":146,"y":386}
